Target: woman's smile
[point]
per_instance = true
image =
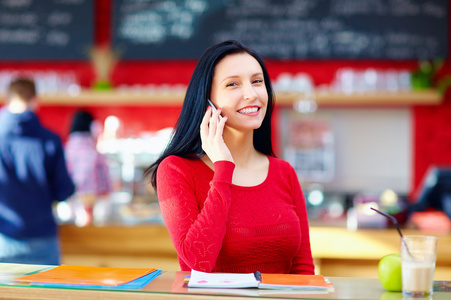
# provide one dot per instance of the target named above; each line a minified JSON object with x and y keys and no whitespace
{"x":250,"y":110}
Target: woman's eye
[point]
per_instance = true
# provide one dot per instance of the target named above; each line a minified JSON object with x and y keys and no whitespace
{"x":258,"y":81}
{"x":231,"y":84}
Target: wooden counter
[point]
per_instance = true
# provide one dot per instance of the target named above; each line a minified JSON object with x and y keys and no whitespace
{"x":337,"y":251}
{"x":118,"y":246}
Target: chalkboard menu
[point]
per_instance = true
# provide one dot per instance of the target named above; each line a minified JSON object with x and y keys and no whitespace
{"x":284,"y":29}
{"x":45,"y":29}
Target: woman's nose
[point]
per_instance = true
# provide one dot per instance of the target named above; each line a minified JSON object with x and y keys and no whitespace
{"x":249,"y":92}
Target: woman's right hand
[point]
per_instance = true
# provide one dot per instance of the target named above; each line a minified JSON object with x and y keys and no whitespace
{"x":211,"y":130}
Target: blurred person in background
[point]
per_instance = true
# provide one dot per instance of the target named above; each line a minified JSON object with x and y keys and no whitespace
{"x":87,"y":167}
{"x":33,"y":175}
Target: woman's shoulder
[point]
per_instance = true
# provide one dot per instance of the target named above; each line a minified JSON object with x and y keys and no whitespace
{"x":280,"y":163}
{"x":174,"y":168}
{"x":174,"y":161}
{"x":80,"y":139}
{"x":282,"y":168}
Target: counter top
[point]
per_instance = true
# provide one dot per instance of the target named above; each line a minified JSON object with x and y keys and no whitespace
{"x":169,"y":285}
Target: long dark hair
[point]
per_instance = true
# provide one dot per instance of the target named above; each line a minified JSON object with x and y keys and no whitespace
{"x":81,"y":122}
{"x":185,"y":141}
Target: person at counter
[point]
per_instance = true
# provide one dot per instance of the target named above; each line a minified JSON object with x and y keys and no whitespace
{"x":33,"y":175}
{"x":229,"y":204}
{"x":87,"y":167}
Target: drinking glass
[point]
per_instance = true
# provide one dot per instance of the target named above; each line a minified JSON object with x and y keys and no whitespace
{"x":418,"y":256}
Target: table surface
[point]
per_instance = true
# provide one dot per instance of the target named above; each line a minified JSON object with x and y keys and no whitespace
{"x":169,"y":285}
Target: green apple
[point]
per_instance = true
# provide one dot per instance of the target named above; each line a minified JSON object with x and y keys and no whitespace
{"x":390,"y":272}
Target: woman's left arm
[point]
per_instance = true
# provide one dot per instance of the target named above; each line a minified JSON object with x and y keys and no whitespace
{"x":303,"y":261}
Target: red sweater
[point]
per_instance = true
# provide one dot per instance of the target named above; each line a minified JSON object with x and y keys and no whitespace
{"x":217,"y":226}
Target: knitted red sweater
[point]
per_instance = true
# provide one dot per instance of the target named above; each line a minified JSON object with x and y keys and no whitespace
{"x":217,"y":226}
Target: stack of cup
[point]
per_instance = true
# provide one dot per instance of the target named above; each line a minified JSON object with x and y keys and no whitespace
{"x":418,"y":256}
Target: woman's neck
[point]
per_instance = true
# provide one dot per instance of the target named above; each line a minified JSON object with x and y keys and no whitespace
{"x":241,"y":145}
{"x":251,"y":166}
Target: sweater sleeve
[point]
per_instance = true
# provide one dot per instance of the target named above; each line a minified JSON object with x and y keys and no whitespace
{"x":303,"y":261}
{"x":197,"y":232}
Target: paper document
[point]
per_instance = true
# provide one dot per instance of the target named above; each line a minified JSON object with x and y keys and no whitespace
{"x":222,"y":280}
{"x":261,"y":281}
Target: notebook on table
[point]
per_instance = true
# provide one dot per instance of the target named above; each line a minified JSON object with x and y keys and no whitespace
{"x":258,"y":280}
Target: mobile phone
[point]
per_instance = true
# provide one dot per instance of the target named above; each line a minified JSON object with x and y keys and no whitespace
{"x":213,"y":108}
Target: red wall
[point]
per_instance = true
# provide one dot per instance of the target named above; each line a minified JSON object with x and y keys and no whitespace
{"x":432,"y":136}
{"x":431,"y":125}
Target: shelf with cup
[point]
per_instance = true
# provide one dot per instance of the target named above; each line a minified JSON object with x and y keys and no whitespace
{"x":420,"y":97}
{"x":175,"y":98}
{"x":88,"y":97}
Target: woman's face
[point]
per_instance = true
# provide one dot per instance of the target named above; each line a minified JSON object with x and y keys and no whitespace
{"x":238,"y":88}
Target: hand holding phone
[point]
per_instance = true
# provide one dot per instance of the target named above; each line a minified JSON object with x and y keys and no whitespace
{"x":211,"y":136}
{"x":213,"y":108}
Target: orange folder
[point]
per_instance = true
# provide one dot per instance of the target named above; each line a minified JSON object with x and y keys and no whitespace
{"x":67,"y":274}
{"x":292,"y":281}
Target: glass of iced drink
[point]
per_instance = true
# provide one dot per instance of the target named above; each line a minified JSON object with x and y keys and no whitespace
{"x":418,"y":255}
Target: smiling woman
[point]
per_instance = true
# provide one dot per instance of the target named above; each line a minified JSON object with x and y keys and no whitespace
{"x":229,"y":204}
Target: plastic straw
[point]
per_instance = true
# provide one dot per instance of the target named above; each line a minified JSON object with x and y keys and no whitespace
{"x":397,"y":227}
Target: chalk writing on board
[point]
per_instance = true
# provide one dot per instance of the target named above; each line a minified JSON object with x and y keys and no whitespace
{"x":51,"y":29}
{"x":155,"y":22}
{"x":283,"y":28}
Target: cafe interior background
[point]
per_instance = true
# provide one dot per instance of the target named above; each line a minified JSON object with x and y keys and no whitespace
{"x":361,"y":131}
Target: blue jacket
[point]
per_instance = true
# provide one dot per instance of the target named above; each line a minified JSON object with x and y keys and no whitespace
{"x":33,"y":175}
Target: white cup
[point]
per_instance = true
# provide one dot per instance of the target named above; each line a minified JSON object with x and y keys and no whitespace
{"x":418,"y":256}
